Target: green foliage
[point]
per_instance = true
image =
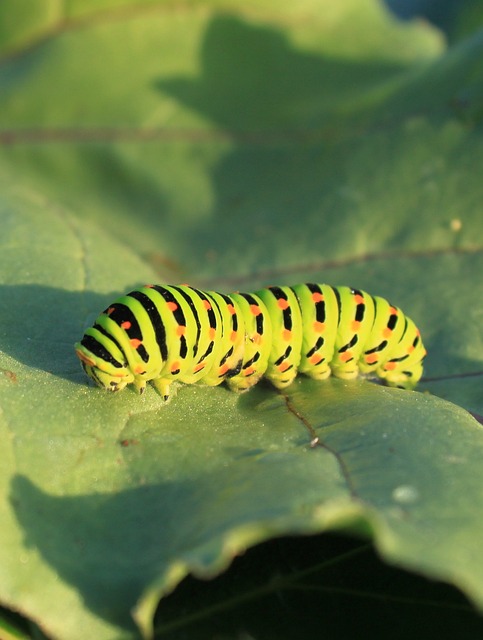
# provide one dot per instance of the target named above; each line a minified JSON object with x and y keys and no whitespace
{"x":233,"y":145}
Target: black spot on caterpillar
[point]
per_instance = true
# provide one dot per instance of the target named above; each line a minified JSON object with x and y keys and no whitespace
{"x":161,"y":334}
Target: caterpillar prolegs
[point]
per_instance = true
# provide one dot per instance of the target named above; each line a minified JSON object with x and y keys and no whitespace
{"x":161,"y":334}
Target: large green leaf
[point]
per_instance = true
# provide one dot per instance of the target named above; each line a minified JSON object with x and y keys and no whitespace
{"x":234,"y":145}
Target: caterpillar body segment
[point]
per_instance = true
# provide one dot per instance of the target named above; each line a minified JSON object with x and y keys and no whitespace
{"x":161,"y":334}
{"x":257,"y":339}
{"x":285,"y":318}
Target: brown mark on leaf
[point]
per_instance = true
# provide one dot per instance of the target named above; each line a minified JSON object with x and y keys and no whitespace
{"x":10,"y":375}
{"x":128,"y":442}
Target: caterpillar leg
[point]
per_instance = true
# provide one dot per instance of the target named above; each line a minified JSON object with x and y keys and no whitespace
{"x":319,"y":373}
{"x":239,"y":385}
{"x":162,"y":386}
{"x":140,"y":385}
{"x":403,"y":379}
{"x":345,"y":373}
{"x":279,"y":381}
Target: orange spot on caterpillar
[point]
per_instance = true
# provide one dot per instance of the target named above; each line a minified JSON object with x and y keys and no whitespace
{"x":212,"y":333}
{"x":110,"y":310}
{"x":231,"y":309}
{"x":174,"y":366}
{"x":411,"y":348}
{"x":317,"y":297}
{"x":139,"y":368}
{"x":255,"y":309}
{"x":135,"y":343}
{"x":222,"y":370}
{"x":198,"y":367}
{"x":358,"y":299}
{"x":371,"y":358}
{"x":355,"y":325}
{"x":393,"y":311}
{"x":257,"y":338}
{"x":172,"y":306}
{"x":346,"y":356}
{"x":249,"y":371}
{"x":387,"y":332}
{"x":315,"y":359}
{"x":286,"y":334}
{"x":233,"y":336}
{"x":180,"y":330}
{"x":283,"y":367}
{"x":207,"y":305}
{"x":282,"y":303}
{"x":389,"y":366}
{"x":82,"y":356}
{"x":319,"y":327}
{"x":125,"y":325}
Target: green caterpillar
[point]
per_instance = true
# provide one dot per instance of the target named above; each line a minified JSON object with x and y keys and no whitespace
{"x":162,"y":334}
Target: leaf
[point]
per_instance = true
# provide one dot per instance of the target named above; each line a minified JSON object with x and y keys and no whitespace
{"x":234,"y":146}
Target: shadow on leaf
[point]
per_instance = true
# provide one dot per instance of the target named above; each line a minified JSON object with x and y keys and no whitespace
{"x":111,"y":547}
{"x":281,"y":107}
{"x":39,"y":325}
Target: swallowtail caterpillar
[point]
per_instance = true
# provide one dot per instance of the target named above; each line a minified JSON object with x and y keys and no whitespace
{"x":166,"y":333}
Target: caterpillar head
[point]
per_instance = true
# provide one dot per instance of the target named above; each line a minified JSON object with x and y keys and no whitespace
{"x":104,"y":374}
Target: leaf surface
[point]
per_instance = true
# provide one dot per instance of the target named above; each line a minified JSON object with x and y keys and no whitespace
{"x":231,"y":146}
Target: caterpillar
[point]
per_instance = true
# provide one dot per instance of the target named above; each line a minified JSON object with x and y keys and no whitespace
{"x":161,"y":334}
